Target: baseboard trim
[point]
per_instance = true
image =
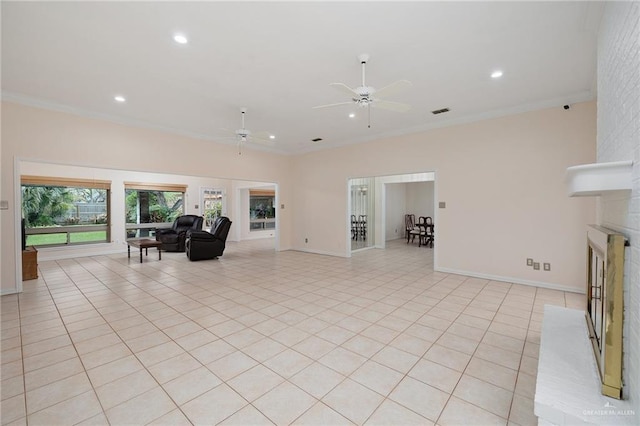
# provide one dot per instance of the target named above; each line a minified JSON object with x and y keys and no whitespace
{"x":551,"y":286}
{"x":42,"y":257}
{"x":322,"y":252}
{"x":8,"y":291}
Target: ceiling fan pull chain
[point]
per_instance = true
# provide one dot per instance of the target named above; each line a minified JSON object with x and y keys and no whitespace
{"x":369,"y":113}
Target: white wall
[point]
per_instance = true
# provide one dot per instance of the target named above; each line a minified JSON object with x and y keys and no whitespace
{"x":395,"y":209}
{"x":420,"y":198}
{"x":402,"y":198}
{"x":503,"y":181}
{"x":619,"y":139}
{"x":37,"y":135}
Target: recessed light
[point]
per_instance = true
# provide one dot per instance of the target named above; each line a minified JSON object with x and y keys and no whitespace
{"x":119,"y":98}
{"x":496,"y":74}
{"x":272,"y":137}
{"x":180,"y":39}
{"x":352,"y":115}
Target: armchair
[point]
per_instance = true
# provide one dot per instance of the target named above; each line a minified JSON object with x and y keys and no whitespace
{"x":173,"y":239}
{"x":202,"y":245}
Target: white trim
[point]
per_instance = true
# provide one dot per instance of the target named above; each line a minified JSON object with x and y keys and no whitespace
{"x":17,"y":226}
{"x":8,"y":292}
{"x":513,"y":280}
{"x":322,"y":252}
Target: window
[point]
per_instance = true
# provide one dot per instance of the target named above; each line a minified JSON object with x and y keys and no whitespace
{"x":150,"y":206}
{"x":262,"y":213}
{"x":62,"y":211}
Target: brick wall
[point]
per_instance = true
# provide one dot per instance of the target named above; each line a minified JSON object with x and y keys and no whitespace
{"x":618,"y":140}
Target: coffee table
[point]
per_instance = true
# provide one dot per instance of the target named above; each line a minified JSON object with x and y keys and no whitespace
{"x":144,"y":244}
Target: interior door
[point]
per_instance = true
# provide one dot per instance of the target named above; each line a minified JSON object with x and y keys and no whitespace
{"x":213,"y":201}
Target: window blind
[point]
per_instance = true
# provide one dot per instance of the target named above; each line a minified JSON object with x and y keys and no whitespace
{"x":142,"y":186}
{"x":64,"y":182}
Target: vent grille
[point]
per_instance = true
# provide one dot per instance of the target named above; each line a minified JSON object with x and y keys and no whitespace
{"x":316,"y":139}
{"x":440,"y":111}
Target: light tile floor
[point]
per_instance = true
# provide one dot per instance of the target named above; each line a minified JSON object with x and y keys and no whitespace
{"x":260,"y":337}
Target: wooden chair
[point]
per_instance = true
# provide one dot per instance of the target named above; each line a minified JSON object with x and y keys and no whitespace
{"x":411,"y":229}
{"x":422,"y":231}
{"x":430,"y":237}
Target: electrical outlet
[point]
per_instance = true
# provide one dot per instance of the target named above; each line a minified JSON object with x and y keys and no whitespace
{"x":306,"y":240}
{"x":529,"y":262}
{"x":546,"y":266}
{"x":536,"y":266}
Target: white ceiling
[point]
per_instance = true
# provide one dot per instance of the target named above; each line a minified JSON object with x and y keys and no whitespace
{"x":278,"y":58}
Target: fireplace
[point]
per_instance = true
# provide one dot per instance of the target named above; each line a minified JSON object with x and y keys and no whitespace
{"x":605,"y":304}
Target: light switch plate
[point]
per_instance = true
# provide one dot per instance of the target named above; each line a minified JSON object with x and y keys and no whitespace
{"x":442,"y":204}
{"x":536,"y":266}
{"x":4,"y":205}
{"x":546,"y":266}
{"x":529,"y":262}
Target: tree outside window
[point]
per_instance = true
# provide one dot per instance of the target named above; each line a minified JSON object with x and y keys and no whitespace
{"x":49,"y":211}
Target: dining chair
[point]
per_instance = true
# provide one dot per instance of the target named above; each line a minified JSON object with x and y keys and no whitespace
{"x":411,"y":229}
{"x":429,"y":227}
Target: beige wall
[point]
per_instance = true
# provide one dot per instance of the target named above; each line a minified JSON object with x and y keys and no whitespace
{"x":502,"y":180}
{"x":503,"y":184}
{"x":47,"y":136}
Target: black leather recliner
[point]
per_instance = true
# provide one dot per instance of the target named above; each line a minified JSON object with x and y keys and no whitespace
{"x":203,"y":245}
{"x":173,"y":239}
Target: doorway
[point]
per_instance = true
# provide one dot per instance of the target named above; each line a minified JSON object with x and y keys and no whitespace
{"x":213,"y":205}
{"x":384,"y":200}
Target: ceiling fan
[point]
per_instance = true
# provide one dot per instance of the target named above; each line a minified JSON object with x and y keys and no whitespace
{"x":245,"y":135}
{"x":366,"y":96}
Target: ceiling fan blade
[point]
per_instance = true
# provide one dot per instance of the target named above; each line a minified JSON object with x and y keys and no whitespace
{"x":262,"y":138}
{"x":392,"y":88}
{"x":334,"y":105}
{"x":344,"y":89}
{"x":390,"y":105}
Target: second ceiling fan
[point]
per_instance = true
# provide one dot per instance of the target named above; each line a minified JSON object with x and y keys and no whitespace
{"x":367,"y":96}
{"x":243,"y":135}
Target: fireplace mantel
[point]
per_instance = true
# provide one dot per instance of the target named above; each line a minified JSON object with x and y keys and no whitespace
{"x":599,"y":178}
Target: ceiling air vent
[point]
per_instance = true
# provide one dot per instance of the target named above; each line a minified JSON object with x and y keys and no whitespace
{"x":440,"y":111}
{"x":316,"y":139}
